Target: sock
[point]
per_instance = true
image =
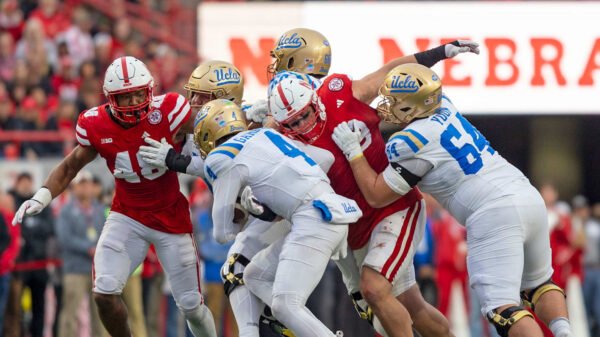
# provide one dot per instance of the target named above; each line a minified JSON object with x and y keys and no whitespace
{"x":561,"y":327}
{"x":201,"y":322}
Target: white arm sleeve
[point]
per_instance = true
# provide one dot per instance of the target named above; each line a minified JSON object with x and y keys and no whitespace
{"x":225,"y":190}
{"x":415,"y":168}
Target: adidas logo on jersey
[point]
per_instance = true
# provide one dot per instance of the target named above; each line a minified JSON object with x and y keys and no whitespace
{"x":339,"y":103}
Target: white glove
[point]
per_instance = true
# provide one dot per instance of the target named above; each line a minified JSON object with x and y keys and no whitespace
{"x":347,"y":140}
{"x":156,"y":153}
{"x":33,"y":206}
{"x":464,"y":46}
{"x":250,"y":203}
{"x":258,"y":111}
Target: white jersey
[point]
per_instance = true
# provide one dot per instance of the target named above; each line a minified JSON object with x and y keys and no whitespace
{"x":465,"y":174}
{"x":279,"y":173}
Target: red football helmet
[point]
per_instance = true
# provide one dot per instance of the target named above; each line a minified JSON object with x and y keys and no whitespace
{"x":126,"y":75}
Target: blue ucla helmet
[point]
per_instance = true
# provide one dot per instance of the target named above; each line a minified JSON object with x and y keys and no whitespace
{"x":302,"y":50}
{"x":409,"y":91}
{"x":213,"y":80}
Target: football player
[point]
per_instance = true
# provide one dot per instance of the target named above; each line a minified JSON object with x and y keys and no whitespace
{"x":384,"y":240}
{"x":148,"y":207}
{"x":446,"y":156}
{"x":292,"y":185}
{"x":222,"y":80}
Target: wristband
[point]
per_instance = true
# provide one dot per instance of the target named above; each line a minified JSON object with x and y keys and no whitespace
{"x":177,"y":161}
{"x":432,"y":56}
{"x":43,"y":196}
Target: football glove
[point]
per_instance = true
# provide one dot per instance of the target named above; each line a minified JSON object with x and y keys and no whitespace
{"x":255,"y":207}
{"x":156,"y":154}
{"x":33,"y":206}
{"x":461,"y":46}
{"x":347,"y":140}
{"x":258,"y":111}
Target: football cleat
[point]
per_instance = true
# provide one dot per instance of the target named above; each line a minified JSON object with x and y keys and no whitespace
{"x":277,"y":327}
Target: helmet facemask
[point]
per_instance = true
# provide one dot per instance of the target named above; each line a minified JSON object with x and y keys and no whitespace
{"x":131,"y":114}
{"x":307,"y":124}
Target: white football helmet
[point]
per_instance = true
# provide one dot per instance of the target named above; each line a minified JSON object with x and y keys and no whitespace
{"x":123,"y":75}
{"x":290,"y":103}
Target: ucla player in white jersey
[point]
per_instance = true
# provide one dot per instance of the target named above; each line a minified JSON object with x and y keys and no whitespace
{"x":211,"y":80}
{"x":442,"y":153}
{"x":293,"y":186}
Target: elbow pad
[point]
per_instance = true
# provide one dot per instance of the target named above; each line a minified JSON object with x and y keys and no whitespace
{"x":399,"y":179}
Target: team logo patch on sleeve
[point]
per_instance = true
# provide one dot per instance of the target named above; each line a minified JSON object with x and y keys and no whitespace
{"x":155,"y":117}
{"x":336,"y":84}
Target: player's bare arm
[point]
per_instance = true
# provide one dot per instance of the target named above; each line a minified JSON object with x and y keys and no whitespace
{"x":56,"y":183}
{"x":365,"y":89}
{"x":60,"y":177}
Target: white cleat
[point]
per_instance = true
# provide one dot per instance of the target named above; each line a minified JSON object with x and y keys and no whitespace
{"x":339,"y":333}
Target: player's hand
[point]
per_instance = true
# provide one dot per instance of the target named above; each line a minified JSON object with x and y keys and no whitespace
{"x":255,"y":207}
{"x":258,"y":111}
{"x":461,"y":46}
{"x":347,"y":140}
{"x":156,"y":153}
{"x":33,"y":206}
{"x":250,"y":203}
{"x":362,"y":307}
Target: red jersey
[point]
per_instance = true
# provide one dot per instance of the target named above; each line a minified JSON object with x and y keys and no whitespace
{"x":342,"y":106}
{"x":147,"y":194}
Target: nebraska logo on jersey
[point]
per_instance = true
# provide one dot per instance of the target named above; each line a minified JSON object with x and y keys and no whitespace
{"x":155,"y":117}
{"x":336,"y":84}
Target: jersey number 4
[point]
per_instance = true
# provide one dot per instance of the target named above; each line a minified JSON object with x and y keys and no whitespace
{"x":287,"y":148}
{"x":124,"y":169}
{"x":468,"y":155}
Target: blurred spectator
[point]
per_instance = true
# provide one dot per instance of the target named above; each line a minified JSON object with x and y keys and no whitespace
{"x":52,"y":17}
{"x":9,"y":252}
{"x":78,"y":228}
{"x":28,"y":119}
{"x":65,"y":82}
{"x":78,"y":38}
{"x":45,"y":103}
{"x":566,"y":241}
{"x":11,"y":19}
{"x":591,"y":261}
{"x":35,"y":44}
{"x":7,"y":57}
{"x":35,"y":233}
{"x":152,"y":280}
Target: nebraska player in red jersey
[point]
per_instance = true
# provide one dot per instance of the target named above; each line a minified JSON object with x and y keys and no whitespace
{"x":148,"y":207}
{"x":384,"y":240}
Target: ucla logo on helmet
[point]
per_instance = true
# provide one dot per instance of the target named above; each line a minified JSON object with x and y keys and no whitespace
{"x":289,"y":42}
{"x":404,"y":84}
{"x":226,"y":76}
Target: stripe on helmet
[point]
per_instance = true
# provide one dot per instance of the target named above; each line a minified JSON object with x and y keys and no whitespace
{"x":283,"y":98}
{"x":125,"y":72}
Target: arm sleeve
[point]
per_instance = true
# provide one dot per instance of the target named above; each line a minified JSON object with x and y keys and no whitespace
{"x":403,"y":175}
{"x":226,"y":187}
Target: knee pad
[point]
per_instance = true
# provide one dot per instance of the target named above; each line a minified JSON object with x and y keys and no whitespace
{"x":505,"y":320}
{"x":108,"y":285}
{"x":531,"y":297}
{"x":190,"y":301}
{"x":231,"y":280}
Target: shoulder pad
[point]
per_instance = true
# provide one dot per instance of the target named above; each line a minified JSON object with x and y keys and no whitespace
{"x":175,"y":107}
{"x":85,"y":121}
{"x":404,"y":144}
{"x":217,"y":162}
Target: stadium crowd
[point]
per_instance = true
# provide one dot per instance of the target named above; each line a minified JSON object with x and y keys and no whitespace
{"x":51,"y":59}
